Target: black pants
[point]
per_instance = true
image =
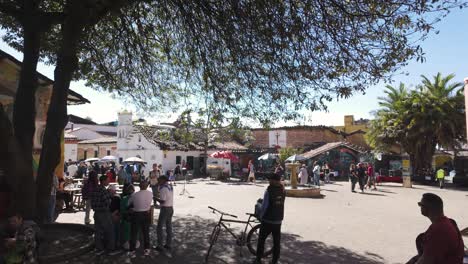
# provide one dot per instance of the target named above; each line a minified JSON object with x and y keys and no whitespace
{"x":139,"y":220}
{"x":353,"y":182}
{"x":362,"y":183}
{"x":265,"y":230}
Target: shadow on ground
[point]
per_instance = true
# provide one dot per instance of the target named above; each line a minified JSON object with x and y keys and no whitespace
{"x":191,"y":244}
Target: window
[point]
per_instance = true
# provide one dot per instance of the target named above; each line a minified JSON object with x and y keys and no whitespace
{"x":85,"y":154}
{"x":178,"y":159}
{"x":108,"y":153}
{"x":95,"y":153}
{"x":190,"y":162}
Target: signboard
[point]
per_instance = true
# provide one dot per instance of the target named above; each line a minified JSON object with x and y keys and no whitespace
{"x":406,"y":165}
{"x":277,"y":138}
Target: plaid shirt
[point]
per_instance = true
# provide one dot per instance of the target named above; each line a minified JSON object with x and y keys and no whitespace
{"x":100,"y":199}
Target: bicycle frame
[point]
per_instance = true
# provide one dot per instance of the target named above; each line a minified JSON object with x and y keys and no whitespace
{"x":247,"y":223}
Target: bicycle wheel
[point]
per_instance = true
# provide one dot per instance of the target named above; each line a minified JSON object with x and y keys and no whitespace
{"x":252,"y":240}
{"x":213,"y":239}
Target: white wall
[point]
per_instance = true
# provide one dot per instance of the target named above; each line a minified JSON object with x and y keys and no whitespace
{"x":169,"y":162}
{"x":71,"y":151}
{"x":85,"y":134}
{"x":98,"y":128}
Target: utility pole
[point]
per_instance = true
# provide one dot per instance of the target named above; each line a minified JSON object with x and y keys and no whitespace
{"x":466,"y":104}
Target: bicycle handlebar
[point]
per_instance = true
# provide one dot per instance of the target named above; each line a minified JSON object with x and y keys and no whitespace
{"x":221,"y":212}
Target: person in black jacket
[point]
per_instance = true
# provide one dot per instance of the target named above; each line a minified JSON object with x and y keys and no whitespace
{"x":271,"y":217}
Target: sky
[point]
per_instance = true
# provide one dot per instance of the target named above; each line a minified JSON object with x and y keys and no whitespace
{"x":445,"y":53}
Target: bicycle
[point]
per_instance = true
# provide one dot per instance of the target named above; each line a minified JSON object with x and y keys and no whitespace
{"x":249,"y":240}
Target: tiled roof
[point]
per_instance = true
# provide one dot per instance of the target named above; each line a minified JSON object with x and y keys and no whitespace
{"x":163,"y":137}
{"x":328,"y":147}
{"x":232,"y":145}
{"x":99,"y":140}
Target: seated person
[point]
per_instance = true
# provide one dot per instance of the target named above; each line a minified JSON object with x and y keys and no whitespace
{"x":64,"y":195}
{"x":19,"y":241}
{"x":442,"y":243}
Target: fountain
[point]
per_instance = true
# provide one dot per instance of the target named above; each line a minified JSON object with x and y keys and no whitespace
{"x":301,"y":191}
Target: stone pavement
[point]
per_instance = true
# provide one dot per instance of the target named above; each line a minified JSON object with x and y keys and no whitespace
{"x":343,"y":227}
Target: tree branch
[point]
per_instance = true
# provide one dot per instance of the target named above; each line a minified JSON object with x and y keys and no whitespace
{"x":10,"y":9}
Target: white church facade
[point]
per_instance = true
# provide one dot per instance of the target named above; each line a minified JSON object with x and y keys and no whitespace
{"x":145,"y":141}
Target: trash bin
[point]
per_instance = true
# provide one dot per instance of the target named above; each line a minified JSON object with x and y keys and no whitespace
{"x":407,"y":182}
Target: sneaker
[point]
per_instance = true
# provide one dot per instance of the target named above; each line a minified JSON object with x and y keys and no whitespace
{"x":147,"y":252}
{"x":113,"y":252}
{"x":362,"y":191}
{"x":131,"y":254}
{"x":353,"y":191}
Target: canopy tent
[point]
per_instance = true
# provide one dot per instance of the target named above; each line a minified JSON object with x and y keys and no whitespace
{"x":225,"y":155}
{"x":134,"y":160}
{"x":295,"y":158}
{"x":91,"y":159}
{"x":109,"y":158}
{"x":267,"y":156}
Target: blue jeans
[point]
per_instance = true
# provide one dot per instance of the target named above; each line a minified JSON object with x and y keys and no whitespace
{"x":317,"y":179}
{"x":155,"y":190}
{"x":165,"y":219}
{"x":51,"y":211}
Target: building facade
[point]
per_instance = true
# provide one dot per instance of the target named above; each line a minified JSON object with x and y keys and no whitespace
{"x":304,"y":137}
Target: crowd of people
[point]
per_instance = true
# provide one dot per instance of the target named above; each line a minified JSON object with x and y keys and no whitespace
{"x":363,"y":174}
{"x":122,"y":221}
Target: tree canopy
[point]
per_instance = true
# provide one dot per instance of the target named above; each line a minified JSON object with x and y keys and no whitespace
{"x":260,"y":59}
{"x":420,"y":120}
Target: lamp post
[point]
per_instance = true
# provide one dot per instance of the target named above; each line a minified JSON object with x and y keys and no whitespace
{"x":466,"y":104}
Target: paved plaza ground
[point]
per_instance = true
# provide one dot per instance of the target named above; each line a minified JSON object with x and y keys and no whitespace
{"x":343,"y":227}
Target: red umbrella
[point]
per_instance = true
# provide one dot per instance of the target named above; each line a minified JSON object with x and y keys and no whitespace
{"x":225,"y":155}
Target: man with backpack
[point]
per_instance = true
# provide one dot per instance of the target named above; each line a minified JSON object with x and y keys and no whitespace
{"x":271,"y":216}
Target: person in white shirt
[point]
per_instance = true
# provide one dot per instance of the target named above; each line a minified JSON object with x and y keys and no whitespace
{"x":304,"y":174}
{"x":153,"y":178}
{"x":140,"y":204}
{"x":166,"y":199}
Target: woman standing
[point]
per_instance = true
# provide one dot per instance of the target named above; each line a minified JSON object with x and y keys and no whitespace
{"x":353,"y":176}
{"x":304,"y":174}
{"x":89,"y":186}
{"x":251,"y":168}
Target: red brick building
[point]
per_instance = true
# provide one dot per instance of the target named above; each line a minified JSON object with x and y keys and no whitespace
{"x":305,"y":137}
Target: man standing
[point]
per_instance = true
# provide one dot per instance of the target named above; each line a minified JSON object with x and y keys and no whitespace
{"x":441,"y":177}
{"x":166,"y":199}
{"x":361,"y":173}
{"x":140,"y":203}
{"x":104,"y":228}
{"x":316,"y":172}
{"x":271,"y":217}
{"x":442,"y":242}
{"x":153,"y":178}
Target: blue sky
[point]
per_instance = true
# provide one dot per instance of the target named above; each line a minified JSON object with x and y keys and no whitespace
{"x":445,"y":53}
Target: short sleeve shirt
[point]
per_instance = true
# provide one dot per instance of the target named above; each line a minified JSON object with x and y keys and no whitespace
{"x":443,"y":242}
{"x":166,"y":194}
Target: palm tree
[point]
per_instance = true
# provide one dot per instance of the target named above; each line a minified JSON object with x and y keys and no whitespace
{"x":420,"y":119}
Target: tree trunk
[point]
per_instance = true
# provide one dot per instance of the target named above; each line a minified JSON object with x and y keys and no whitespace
{"x":67,"y":63}
{"x":24,"y":113}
